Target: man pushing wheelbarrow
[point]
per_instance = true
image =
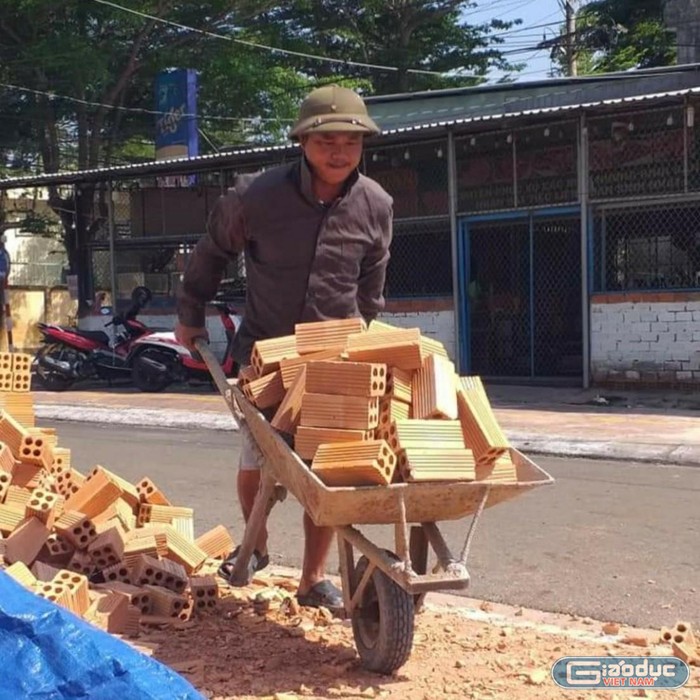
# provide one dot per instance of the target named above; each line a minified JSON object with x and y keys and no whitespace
{"x":316,"y":236}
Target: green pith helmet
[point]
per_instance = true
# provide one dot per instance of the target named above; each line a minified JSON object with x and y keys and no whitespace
{"x":333,"y":108}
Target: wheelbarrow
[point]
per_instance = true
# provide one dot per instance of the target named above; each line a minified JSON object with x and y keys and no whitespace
{"x":382,"y":590}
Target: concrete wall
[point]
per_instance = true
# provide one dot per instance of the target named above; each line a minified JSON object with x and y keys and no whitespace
{"x":438,"y":323}
{"x":646,"y":337}
{"x":434,"y":318}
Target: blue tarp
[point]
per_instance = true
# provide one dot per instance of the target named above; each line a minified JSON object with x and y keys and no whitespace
{"x":47,"y":653}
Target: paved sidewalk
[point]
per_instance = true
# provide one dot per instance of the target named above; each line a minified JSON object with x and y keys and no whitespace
{"x":634,"y":426}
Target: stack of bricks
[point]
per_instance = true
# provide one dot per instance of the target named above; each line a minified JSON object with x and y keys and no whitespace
{"x":15,"y":385}
{"x":370,"y":406}
{"x":115,"y":553}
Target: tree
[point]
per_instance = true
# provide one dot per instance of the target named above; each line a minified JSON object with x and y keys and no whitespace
{"x":617,"y":35}
{"x":106,"y":60}
{"x":411,"y":35}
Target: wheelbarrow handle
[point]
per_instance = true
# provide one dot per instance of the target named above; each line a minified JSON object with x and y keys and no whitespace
{"x":213,"y":366}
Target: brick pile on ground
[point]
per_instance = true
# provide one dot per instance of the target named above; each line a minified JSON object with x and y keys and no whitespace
{"x":116,"y":554}
{"x":377,"y":405}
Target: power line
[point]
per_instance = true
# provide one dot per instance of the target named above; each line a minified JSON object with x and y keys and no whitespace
{"x":265,"y":47}
{"x":134,"y":110}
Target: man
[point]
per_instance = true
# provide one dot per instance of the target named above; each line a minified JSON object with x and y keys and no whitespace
{"x":316,"y":238}
{"x":4,"y":262}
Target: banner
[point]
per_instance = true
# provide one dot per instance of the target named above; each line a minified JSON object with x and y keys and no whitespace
{"x":176,"y":121}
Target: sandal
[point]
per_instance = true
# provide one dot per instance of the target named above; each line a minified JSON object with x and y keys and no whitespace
{"x":257,"y":563}
{"x":322,"y":595}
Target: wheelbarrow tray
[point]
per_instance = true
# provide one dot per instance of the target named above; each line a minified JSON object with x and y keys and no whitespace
{"x":424,"y":502}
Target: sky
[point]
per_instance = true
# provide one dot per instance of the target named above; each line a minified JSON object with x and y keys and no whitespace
{"x":525,"y":35}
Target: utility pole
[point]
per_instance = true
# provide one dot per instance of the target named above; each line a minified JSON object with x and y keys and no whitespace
{"x":570,"y":11}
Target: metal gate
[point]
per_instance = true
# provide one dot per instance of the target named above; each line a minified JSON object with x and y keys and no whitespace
{"x":520,"y":294}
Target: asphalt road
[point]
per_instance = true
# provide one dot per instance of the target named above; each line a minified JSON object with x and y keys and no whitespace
{"x":609,"y":540}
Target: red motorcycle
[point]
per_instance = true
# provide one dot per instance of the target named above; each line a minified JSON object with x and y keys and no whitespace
{"x":70,"y":354}
{"x":159,"y":360}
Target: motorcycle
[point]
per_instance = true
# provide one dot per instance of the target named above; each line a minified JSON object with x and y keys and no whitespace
{"x":159,"y":360}
{"x":69,"y":355}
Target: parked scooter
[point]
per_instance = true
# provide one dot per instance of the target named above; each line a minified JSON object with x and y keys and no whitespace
{"x":159,"y":360}
{"x":70,"y":354}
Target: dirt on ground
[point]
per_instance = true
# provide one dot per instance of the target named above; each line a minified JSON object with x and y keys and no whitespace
{"x":258,"y":644}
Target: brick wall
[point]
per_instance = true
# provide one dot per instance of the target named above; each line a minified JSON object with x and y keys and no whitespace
{"x":647,"y":338}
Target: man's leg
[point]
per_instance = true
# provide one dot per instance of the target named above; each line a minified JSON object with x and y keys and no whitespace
{"x":248,"y":483}
{"x":317,"y":544}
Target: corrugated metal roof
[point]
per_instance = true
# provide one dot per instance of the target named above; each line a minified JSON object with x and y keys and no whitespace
{"x":458,"y":106}
{"x":417,"y":112}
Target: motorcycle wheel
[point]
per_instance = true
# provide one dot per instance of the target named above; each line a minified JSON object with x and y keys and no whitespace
{"x":145,"y":378}
{"x":50,"y":379}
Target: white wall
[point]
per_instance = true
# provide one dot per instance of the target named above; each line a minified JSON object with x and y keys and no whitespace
{"x":435,"y":324}
{"x":646,"y":341}
{"x":439,"y":325}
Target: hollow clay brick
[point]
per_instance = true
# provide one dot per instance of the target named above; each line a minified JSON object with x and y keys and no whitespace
{"x":434,"y":391}
{"x":267,"y":391}
{"x":288,"y":415}
{"x":184,"y":552}
{"x":43,"y":571}
{"x":27,"y":475}
{"x":397,"y":348}
{"x":150,"y":493}
{"x":5,"y":482}
{"x":204,"y":591}
{"x":479,"y":425}
{"x":110,"y":612}
{"x":165,"y":602}
{"x":266,"y":354}
{"x":430,"y":346}
{"x":329,"y":411}
{"x":354,"y":464}
{"x":77,"y":528}
{"x":216,"y":543}
{"x":346,"y":378}
{"x":307,"y":439}
{"x":290,"y":366}
{"x":317,"y":336}
{"x":20,"y":573}
{"x":129,"y":492}
{"x":10,"y":518}
{"x":26,"y":541}
{"x":43,"y":506}
{"x":7,"y":459}
{"x":11,"y":432}
{"x":435,"y":464}
{"x":94,"y":496}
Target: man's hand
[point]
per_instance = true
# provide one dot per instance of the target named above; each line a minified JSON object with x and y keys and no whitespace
{"x":186,"y":335}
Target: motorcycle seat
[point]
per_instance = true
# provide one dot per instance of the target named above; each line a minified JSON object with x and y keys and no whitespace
{"x":97,"y":336}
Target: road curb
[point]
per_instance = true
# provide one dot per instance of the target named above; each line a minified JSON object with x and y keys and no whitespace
{"x":141,"y":417}
{"x":683,"y":455}
{"x":677,"y":455}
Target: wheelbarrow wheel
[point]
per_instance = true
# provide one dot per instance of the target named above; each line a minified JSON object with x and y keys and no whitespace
{"x":382,"y":622}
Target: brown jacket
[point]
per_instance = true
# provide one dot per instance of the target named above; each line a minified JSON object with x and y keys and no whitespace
{"x":304,"y":261}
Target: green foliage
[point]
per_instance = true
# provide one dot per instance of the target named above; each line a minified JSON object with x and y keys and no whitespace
{"x":407,"y":34}
{"x":618,"y":35}
{"x":108,"y":60}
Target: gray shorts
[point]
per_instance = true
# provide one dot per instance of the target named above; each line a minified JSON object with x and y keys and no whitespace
{"x":251,"y":457}
{"x":250,"y":453}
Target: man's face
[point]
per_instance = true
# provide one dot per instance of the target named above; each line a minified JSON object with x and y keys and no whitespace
{"x":333,"y":155}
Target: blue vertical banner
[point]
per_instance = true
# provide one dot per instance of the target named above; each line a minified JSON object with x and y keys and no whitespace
{"x":176,"y":121}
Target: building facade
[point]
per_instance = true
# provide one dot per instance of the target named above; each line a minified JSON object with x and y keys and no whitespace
{"x":545,"y":232}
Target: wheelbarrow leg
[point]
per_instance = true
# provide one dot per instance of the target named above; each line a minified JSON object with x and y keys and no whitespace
{"x":268,"y":494}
